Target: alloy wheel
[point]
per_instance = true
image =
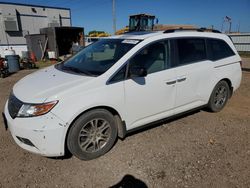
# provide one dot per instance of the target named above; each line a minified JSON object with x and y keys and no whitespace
{"x":94,"y":135}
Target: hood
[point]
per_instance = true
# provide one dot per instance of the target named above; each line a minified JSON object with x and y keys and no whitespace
{"x":46,"y":83}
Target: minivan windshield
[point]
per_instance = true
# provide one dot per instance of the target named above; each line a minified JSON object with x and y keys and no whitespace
{"x":98,"y":57}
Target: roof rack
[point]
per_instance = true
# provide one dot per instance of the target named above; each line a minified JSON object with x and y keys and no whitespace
{"x":202,"y":29}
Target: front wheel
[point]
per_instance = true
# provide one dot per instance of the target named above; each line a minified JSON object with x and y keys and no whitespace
{"x":219,"y":97}
{"x":92,"y":134}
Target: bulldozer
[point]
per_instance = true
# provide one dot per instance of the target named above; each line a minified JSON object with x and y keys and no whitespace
{"x":146,"y":22}
{"x":141,"y":22}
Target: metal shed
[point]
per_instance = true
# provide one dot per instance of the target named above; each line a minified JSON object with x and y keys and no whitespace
{"x":60,"y":39}
{"x":241,"y":41}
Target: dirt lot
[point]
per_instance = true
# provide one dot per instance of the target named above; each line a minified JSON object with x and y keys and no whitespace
{"x":199,"y":150}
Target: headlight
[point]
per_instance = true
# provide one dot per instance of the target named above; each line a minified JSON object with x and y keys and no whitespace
{"x":30,"y":110}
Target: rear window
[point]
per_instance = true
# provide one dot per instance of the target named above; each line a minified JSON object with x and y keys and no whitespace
{"x":219,"y":49}
{"x":191,"y":50}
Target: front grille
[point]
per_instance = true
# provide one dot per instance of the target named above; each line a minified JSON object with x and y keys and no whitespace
{"x":14,"y":105}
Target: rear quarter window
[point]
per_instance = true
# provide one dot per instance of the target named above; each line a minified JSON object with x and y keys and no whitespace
{"x":219,"y":49}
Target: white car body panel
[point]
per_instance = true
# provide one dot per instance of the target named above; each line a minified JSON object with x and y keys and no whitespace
{"x":46,"y":83}
{"x":140,"y":110}
{"x":138,"y":101}
{"x":191,"y":92}
{"x":46,"y":132}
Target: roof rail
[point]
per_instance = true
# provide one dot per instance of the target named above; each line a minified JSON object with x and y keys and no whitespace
{"x":202,"y":29}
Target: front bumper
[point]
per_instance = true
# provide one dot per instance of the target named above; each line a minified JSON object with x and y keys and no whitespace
{"x":44,"y":135}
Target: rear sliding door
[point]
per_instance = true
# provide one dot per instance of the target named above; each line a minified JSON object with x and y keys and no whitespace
{"x":193,"y":71}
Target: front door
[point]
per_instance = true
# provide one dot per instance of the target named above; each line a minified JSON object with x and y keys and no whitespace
{"x":152,"y":97}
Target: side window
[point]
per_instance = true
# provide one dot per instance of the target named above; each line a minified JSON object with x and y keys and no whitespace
{"x":153,"y":58}
{"x":120,"y":75}
{"x":219,"y":49}
{"x":191,"y":50}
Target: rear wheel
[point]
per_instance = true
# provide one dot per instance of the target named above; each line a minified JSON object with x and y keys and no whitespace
{"x":219,"y":96}
{"x":92,"y":134}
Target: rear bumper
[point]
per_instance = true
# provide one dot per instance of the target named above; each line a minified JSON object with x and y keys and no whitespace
{"x":44,"y":135}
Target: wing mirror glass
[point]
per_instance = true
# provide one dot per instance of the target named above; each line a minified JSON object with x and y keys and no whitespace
{"x":138,"y":72}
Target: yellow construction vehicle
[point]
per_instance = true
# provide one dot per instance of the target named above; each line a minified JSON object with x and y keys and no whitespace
{"x":141,"y":22}
{"x":146,"y":22}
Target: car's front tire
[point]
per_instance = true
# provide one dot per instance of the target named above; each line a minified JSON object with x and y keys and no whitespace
{"x":93,"y":134}
{"x":219,"y":96}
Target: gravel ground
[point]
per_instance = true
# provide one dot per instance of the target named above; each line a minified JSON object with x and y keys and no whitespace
{"x":201,"y":149}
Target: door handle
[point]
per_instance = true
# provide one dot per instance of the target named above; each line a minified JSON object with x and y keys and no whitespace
{"x":171,"y":82}
{"x":181,"y":79}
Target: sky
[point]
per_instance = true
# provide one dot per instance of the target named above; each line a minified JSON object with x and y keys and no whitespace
{"x":97,"y":14}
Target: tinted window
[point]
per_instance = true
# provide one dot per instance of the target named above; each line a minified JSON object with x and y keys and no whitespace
{"x":191,"y":50}
{"x":152,"y":58}
{"x":120,"y":75}
{"x":219,"y":49}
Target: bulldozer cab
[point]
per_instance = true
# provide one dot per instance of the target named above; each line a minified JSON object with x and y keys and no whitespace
{"x":141,"y":22}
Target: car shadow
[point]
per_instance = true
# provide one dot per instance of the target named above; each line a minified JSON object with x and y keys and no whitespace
{"x":246,"y":69}
{"x":129,"y":181}
{"x":66,"y":156}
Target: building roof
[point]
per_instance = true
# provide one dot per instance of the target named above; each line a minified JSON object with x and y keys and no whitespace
{"x":31,"y":5}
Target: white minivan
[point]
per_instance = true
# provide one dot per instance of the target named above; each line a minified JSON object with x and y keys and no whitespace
{"x":118,"y":84}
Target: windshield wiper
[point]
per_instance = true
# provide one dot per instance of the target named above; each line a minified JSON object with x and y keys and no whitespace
{"x":76,"y":70}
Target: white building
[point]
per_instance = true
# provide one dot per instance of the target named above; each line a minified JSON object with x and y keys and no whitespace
{"x":18,"y":20}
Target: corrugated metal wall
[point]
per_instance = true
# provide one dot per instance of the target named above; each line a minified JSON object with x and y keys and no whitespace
{"x":241,"y":41}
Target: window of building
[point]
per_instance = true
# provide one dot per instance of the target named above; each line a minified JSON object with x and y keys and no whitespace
{"x":34,"y":10}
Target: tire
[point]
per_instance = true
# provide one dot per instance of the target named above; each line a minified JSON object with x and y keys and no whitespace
{"x":93,"y":134}
{"x":219,"y":96}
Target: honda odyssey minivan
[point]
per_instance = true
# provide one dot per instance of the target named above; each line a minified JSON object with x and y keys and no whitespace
{"x":118,"y":84}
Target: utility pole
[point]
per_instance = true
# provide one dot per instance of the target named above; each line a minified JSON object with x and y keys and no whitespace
{"x":222,"y":25}
{"x":230,"y":26}
{"x":238,"y":27}
{"x":229,"y":21}
{"x":114,"y":16}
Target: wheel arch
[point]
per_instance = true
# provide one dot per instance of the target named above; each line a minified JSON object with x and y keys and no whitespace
{"x":229,"y":84}
{"x":121,"y":125}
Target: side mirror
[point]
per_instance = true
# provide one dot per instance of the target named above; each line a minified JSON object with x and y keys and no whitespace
{"x":138,"y":72}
